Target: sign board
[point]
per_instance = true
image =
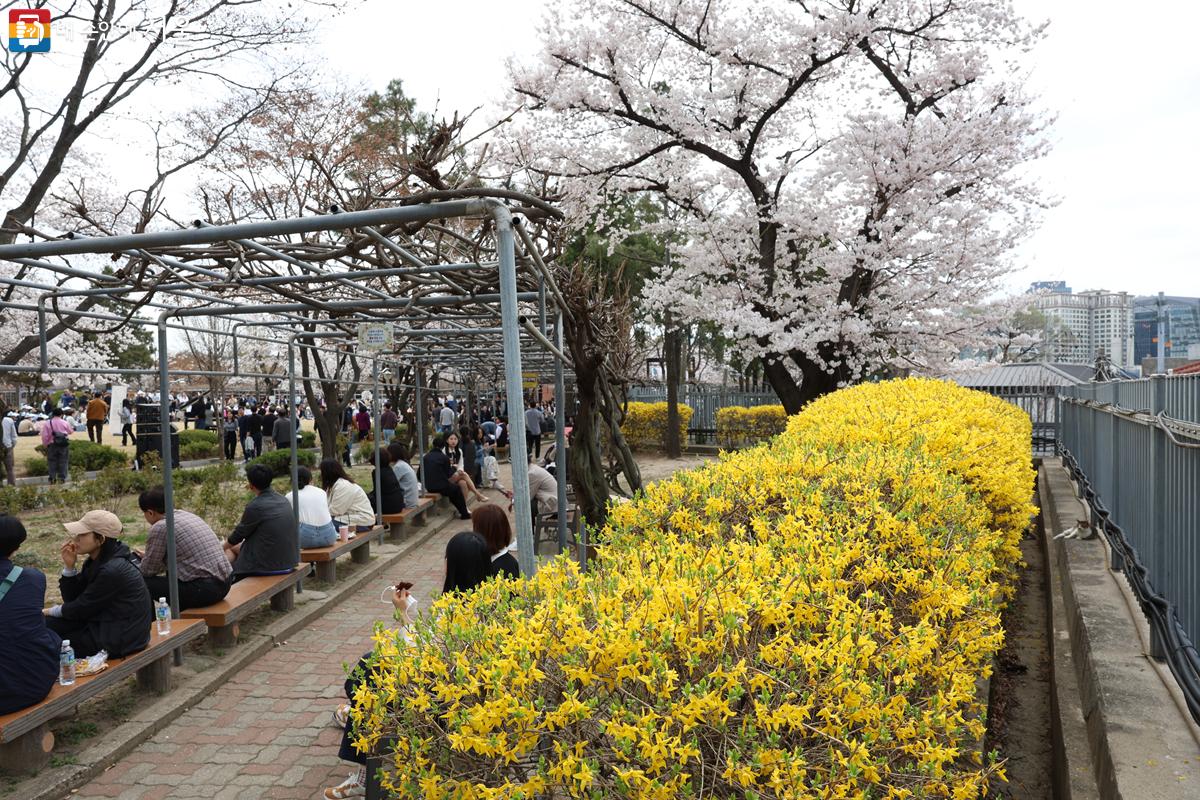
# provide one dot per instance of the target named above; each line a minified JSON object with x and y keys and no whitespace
{"x":375,"y":336}
{"x":530,"y":380}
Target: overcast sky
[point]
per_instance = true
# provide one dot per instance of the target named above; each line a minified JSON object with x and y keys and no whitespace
{"x":1123,"y":167}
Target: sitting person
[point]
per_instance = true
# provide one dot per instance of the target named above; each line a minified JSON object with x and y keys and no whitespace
{"x":466,"y":568}
{"x":106,"y":605}
{"x":437,"y":472}
{"x":203,"y":570}
{"x":316,"y":523}
{"x":28,"y":649}
{"x":490,"y":522}
{"x":543,"y":491}
{"x":405,"y":474}
{"x":458,"y":461}
{"x":264,"y":541}
{"x":348,"y":503}
{"x":389,"y":486}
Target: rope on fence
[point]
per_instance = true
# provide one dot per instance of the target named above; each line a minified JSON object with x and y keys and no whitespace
{"x":1173,"y":643}
{"x":1169,"y":425}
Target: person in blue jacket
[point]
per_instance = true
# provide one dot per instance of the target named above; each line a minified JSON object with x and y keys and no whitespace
{"x":28,"y":649}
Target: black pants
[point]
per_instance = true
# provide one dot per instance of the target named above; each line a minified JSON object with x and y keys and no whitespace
{"x":257,"y":437}
{"x":127,"y":433}
{"x":192,"y":594}
{"x":347,"y":752}
{"x":533,"y":443}
{"x":231,"y":438}
{"x":96,"y":425}
{"x":82,"y":641}
{"x":456,"y":498}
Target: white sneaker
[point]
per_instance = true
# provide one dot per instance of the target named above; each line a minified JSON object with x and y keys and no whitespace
{"x":347,"y":788}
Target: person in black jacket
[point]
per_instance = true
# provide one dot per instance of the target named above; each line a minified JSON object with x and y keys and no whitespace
{"x":266,"y":540}
{"x":28,"y":649}
{"x":389,"y":484}
{"x":490,"y":522}
{"x":105,"y":603}
{"x":436,"y":471}
{"x":244,"y":423}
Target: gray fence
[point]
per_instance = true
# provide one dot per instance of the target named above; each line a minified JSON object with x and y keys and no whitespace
{"x":1138,"y":444}
{"x":704,"y":402}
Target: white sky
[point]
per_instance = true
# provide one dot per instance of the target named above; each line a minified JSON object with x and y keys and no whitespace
{"x":1123,"y":167}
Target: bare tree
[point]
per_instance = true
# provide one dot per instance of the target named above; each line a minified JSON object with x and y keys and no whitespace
{"x":129,"y":46}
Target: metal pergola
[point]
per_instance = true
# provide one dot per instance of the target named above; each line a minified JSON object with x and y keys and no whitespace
{"x":439,"y":275}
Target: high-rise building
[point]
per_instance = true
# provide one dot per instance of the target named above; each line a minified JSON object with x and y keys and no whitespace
{"x":1059,"y":287}
{"x":1180,"y":318}
{"x":1083,"y":326}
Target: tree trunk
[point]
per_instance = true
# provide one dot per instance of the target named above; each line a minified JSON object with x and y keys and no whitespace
{"x":586,"y":466}
{"x":672,"y":355}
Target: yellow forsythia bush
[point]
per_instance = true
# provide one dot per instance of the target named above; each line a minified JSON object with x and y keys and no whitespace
{"x":804,"y":619}
{"x":738,"y":426}
{"x":645,"y":424}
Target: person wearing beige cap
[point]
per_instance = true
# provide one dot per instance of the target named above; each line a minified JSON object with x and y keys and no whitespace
{"x":105,"y":602}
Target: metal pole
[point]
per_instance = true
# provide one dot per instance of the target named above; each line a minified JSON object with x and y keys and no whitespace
{"x":164,"y":421}
{"x":512,"y":380}
{"x":1161,"y":327}
{"x":375,"y":423}
{"x":295,"y":463}
{"x":560,"y":437}
{"x":419,"y":417}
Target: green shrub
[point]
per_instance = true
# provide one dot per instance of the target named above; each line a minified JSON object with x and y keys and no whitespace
{"x":197,"y":437}
{"x":36,"y":467}
{"x":308,"y":438}
{"x":280,"y":461}
{"x":196,"y":451}
{"x":87,"y":455}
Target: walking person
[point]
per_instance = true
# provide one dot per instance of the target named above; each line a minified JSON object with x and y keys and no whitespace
{"x":56,"y":436}
{"x":387,"y":423}
{"x":126,"y":415}
{"x":8,"y":444}
{"x":533,"y":429}
{"x":229,"y":432}
{"x":97,"y":410}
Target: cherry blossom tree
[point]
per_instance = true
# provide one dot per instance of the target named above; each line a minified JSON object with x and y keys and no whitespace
{"x":846,"y":176}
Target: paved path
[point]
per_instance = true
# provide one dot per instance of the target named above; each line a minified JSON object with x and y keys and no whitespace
{"x":266,"y":733}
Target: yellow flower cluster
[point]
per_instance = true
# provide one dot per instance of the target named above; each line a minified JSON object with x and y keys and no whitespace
{"x":645,"y":424}
{"x":808,"y":618}
{"x":738,"y":426}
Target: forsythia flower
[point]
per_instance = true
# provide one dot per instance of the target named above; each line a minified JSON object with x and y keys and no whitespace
{"x":807,"y":618}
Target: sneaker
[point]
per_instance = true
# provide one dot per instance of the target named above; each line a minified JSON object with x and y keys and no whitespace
{"x":347,"y":788}
{"x":341,"y":715}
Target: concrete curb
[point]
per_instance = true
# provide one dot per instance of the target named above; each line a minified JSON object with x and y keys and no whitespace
{"x":1074,"y":769}
{"x":56,"y":783}
{"x":1140,"y":743}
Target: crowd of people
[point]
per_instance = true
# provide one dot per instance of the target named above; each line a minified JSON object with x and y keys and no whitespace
{"x":108,"y":589}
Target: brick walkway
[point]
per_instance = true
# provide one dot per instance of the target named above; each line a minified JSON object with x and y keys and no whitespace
{"x":266,"y":734}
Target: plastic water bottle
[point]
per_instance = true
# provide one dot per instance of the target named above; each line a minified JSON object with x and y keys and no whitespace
{"x":66,"y":664}
{"x":162,"y":613}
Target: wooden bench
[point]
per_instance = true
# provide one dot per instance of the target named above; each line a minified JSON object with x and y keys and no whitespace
{"x":25,"y":737}
{"x":245,"y":597}
{"x":325,"y":558}
{"x":414,"y":516}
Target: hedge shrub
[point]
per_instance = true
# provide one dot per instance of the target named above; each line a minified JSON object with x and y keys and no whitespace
{"x":193,"y":436}
{"x":738,"y":426}
{"x":806,"y":618}
{"x":308,"y":439}
{"x":280,"y":461}
{"x":81,"y":454}
{"x":645,"y":425}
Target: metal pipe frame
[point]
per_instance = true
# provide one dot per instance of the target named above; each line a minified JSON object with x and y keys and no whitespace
{"x":417,"y":306}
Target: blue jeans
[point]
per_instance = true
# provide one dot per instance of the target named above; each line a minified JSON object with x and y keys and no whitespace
{"x":388,"y":433}
{"x":317,"y":535}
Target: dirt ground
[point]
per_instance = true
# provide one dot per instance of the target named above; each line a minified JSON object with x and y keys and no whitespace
{"x":1019,"y":705}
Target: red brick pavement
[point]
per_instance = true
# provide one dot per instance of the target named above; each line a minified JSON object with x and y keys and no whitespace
{"x":266,"y":734}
